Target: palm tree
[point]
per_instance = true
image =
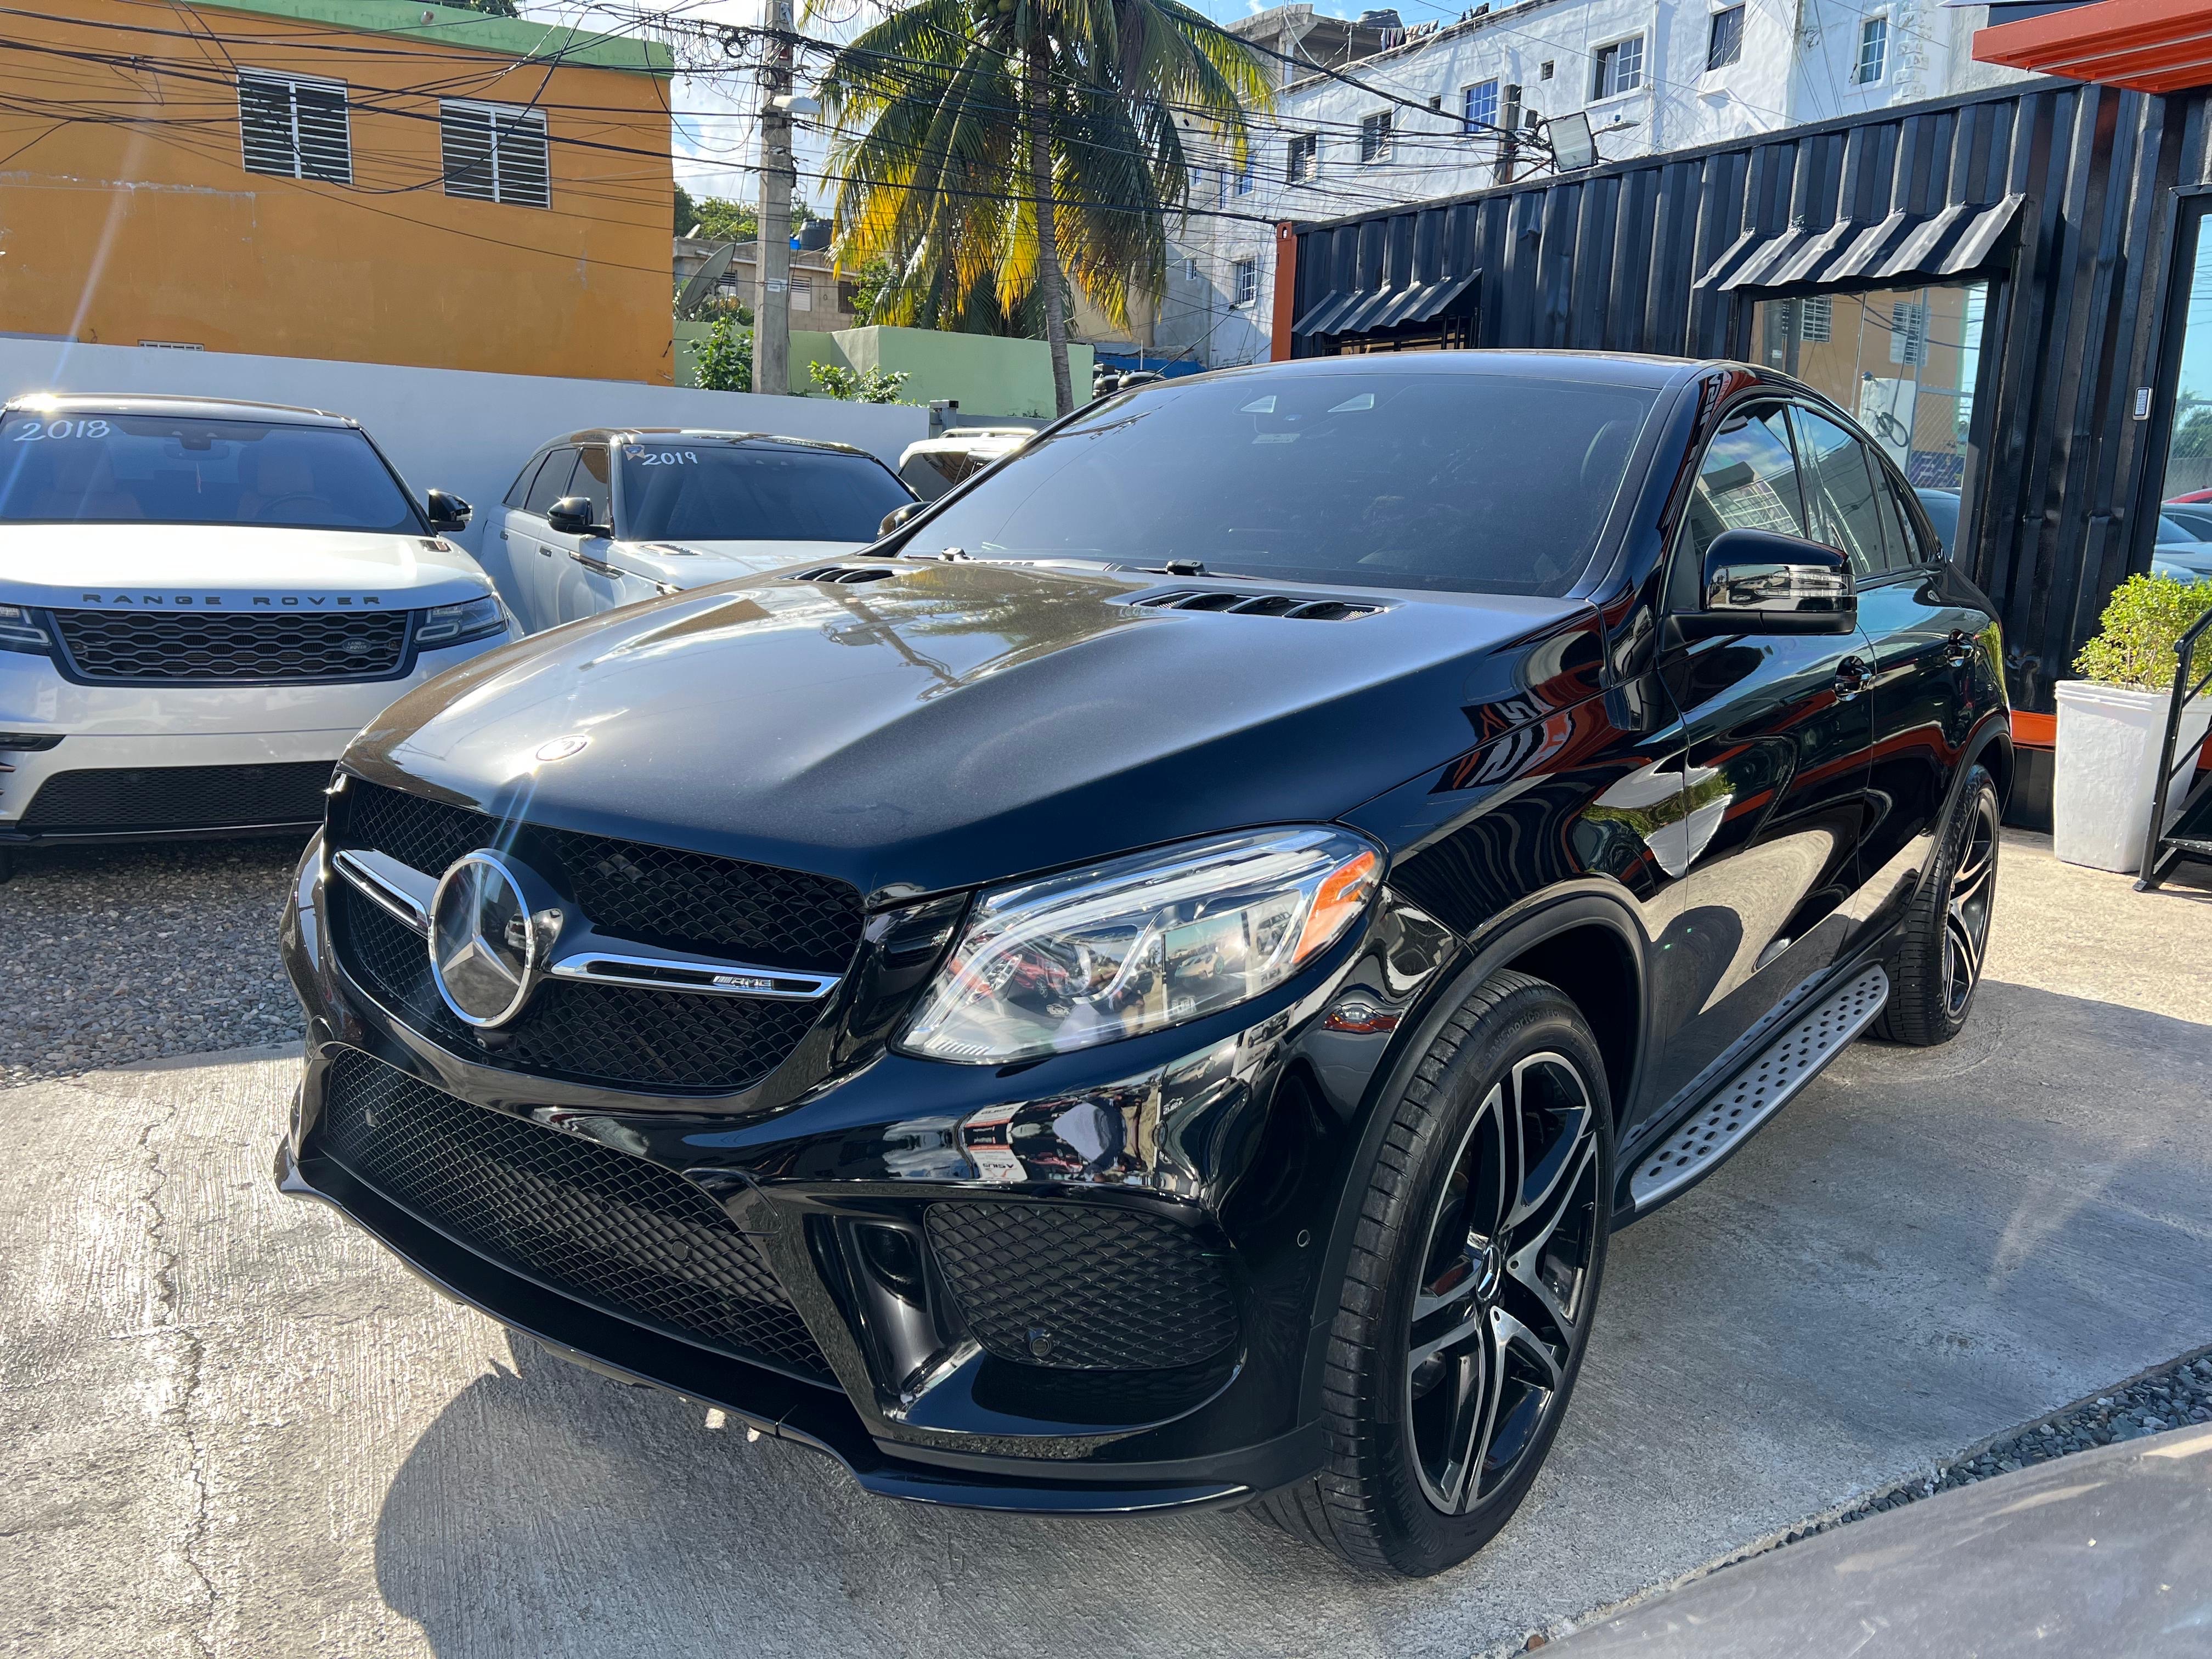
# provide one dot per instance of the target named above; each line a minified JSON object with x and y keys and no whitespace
{"x":985,"y":146}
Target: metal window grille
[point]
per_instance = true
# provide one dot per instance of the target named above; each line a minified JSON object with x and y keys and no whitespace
{"x":1620,"y":68}
{"x":1908,"y":332}
{"x":1725,"y":45}
{"x":1245,"y":275}
{"x":1375,"y":136}
{"x":1479,"y":106}
{"x":1874,"y":52}
{"x":294,"y":128}
{"x":1816,"y":319}
{"x":496,"y":153}
{"x":1304,"y":153}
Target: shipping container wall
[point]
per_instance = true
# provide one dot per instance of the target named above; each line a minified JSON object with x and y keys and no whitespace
{"x":2057,"y":196}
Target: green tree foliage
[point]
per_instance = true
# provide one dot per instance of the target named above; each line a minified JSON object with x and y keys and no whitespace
{"x":721,"y":220}
{"x":982,"y":148}
{"x":859,"y":385}
{"x":489,"y":8}
{"x":724,"y":357}
{"x":2135,"y":644}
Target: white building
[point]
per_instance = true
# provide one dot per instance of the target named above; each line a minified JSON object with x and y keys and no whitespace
{"x":1441,"y":110}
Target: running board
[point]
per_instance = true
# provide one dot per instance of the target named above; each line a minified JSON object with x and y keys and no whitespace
{"x":1786,"y":1065}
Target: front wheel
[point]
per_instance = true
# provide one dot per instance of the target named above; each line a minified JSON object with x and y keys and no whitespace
{"x":1946,"y":933}
{"x":1467,"y":1299}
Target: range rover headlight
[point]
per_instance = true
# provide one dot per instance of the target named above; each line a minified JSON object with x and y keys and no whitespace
{"x":21,"y":630}
{"x":453,"y":624}
{"x":1141,"y":943}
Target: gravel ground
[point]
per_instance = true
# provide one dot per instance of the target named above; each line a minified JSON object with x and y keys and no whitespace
{"x":2169,"y":1398}
{"x":122,"y":953}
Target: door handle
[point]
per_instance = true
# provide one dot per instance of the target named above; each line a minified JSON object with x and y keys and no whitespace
{"x":1852,"y":677}
{"x":544,"y":551}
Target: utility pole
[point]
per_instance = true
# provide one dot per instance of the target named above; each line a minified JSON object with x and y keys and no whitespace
{"x":778,"y":177}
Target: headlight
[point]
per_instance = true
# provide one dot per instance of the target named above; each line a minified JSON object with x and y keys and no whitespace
{"x":21,"y":630}
{"x":1142,"y":943}
{"x":450,"y":624}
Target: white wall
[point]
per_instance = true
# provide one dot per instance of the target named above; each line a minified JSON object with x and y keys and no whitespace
{"x":451,"y":429}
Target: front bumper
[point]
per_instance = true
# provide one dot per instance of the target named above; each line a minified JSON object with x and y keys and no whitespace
{"x":238,"y":738}
{"x":917,"y":1391}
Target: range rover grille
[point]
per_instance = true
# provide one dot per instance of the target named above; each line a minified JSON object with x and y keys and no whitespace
{"x":185,"y":646}
{"x":627,"y":1236}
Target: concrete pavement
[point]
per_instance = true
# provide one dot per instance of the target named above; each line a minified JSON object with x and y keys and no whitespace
{"x":231,"y":1425}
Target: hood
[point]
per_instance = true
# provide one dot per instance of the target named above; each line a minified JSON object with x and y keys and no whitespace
{"x":962,"y":723}
{"x":242,"y":567}
{"x":702,"y":564}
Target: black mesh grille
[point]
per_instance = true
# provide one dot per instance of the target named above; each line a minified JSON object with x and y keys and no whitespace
{"x":625,"y":1234}
{"x":179,"y":797}
{"x":187,"y":646}
{"x":633,"y":890}
{"x":1104,"y":1289}
{"x":609,"y":1033}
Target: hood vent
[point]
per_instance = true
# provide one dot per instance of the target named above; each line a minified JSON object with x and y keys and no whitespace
{"x":1257,"y":604}
{"x":846,"y":573}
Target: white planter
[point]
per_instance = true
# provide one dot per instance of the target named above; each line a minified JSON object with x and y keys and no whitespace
{"x":2108,"y":749}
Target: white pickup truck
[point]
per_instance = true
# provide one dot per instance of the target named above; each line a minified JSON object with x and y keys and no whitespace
{"x":201,"y":602}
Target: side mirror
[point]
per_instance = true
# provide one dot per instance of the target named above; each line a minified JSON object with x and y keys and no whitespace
{"x":572,"y":516}
{"x":897,"y":516}
{"x":1759,"y":581}
{"x":447,"y":512}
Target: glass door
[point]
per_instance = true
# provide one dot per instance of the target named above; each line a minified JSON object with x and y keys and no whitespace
{"x":2182,"y":477}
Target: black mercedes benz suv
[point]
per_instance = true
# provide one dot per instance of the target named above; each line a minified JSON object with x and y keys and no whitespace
{"x":1155,"y":984}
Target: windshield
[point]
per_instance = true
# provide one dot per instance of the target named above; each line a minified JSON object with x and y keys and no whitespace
{"x":689,"y":490}
{"x":1470,"y":482}
{"x":2171,"y":529}
{"x":163,"y":469}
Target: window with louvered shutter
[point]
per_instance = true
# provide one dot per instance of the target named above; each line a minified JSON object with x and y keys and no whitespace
{"x":294,"y":128}
{"x":496,"y":153}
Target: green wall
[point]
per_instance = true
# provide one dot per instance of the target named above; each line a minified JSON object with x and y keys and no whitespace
{"x":989,"y":375}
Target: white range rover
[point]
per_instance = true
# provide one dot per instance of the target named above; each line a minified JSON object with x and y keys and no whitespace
{"x":201,"y":602}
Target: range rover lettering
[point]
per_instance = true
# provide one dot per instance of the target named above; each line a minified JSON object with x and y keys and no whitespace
{"x":1156,"y":983}
{"x":201,"y":602}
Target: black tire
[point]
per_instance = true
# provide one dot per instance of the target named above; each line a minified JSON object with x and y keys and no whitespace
{"x":1498,"y":1282}
{"x":1937,"y":964}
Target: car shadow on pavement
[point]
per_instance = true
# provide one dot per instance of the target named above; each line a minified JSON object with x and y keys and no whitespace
{"x":1930,"y":1247}
{"x":551,"y":1510}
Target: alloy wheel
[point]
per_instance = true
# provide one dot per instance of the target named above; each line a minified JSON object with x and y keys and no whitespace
{"x":1503,"y":1298}
{"x":1966,"y":907}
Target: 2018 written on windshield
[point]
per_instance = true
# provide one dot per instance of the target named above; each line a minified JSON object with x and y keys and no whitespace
{"x":38,"y":430}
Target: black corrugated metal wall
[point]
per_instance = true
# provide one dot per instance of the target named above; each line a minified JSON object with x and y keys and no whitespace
{"x":1611,"y":260}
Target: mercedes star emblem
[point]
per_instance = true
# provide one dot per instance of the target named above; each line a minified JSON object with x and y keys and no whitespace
{"x":486,"y":944}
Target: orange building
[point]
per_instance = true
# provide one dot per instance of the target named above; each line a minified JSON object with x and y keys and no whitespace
{"x":377,"y":180}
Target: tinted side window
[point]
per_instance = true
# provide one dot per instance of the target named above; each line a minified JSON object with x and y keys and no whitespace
{"x":518,"y":492}
{"x":1906,"y":550}
{"x":1747,"y":481}
{"x":551,"y":483}
{"x":594,"y":478}
{"x":1840,"y":493}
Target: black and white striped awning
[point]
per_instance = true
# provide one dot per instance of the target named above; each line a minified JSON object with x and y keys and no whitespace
{"x":1905,"y":250}
{"x":1374,"y":310}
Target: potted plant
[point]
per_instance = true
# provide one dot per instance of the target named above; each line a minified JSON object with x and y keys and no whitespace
{"x":2111,"y":723}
